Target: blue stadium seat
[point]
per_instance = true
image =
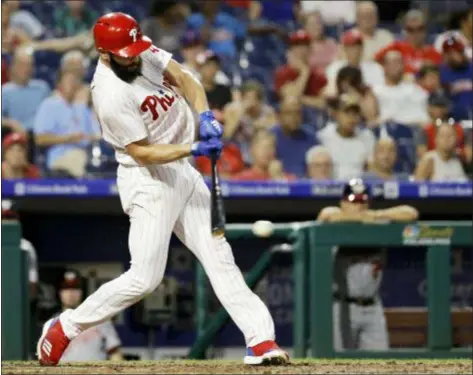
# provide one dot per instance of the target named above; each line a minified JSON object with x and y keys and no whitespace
{"x":136,"y":9}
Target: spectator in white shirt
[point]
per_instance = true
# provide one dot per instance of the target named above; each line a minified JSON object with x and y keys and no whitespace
{"x":352,"y":42}
{"x":400,"y":101}
{"x":350,"y":146}
{"x":374,"y":38}
{"x":333,"y":12}
{"x":443,"y":163}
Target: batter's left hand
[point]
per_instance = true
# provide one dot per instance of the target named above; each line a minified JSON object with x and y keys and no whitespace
{"x":209,"y":126}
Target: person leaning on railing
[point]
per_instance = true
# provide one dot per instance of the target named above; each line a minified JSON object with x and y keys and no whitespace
{"x":358,"y":315}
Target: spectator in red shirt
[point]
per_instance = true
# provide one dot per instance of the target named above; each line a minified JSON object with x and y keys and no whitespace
{"x":323,"y":50}
{"x":265,"y":165}
{"x":297,"y":79}
{"x":5,"y":74}
{"x":229,"y":163}
{"x":15,"y":161}
{"x":415,"y":52}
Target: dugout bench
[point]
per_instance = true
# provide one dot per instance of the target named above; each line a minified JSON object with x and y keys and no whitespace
{"x":312,"y":277}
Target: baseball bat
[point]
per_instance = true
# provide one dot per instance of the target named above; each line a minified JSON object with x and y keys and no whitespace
{"x":217,"y":208}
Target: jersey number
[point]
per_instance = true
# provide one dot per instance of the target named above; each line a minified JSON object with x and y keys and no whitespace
{"x":151,"y":104}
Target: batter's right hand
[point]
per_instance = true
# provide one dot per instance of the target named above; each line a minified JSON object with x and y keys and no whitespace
{"x":206,"y":148}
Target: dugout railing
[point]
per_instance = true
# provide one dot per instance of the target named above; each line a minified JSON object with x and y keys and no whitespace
{"x":312,"y":274}
{"x":312,"y":245}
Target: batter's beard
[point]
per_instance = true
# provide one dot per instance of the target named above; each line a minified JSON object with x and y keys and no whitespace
{"x":126,"y":73}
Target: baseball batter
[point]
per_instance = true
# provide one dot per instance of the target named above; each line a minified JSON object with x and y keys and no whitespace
{"x":142,"y":97}
{"x":358,"y":316}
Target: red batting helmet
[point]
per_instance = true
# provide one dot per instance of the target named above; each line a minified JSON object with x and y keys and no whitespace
{"x":120,"y":34}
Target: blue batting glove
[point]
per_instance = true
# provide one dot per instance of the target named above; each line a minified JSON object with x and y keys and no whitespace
{"x":209,"y":126}
{"x":206,"y":148}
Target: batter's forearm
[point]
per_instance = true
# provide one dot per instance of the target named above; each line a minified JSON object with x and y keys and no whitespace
{"x":158,"y":154}
{"x":194,"y":93}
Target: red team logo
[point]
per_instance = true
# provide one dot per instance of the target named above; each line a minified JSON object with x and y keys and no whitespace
{"x":163,"y":100}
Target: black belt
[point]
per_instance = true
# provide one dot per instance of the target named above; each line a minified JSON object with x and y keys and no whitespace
{"x":360,"y":301}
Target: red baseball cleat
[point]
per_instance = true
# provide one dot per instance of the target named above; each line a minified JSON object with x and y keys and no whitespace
{"x":52,"y":344}
{"x":266,"y":353}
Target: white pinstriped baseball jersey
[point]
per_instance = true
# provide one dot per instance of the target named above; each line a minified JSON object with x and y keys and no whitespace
{"x":146,"y":108}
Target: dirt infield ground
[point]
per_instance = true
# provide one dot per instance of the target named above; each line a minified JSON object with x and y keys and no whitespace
{"x":234,"y":367}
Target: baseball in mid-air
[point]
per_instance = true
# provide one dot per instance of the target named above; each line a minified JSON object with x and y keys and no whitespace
{"x":263,"y":228}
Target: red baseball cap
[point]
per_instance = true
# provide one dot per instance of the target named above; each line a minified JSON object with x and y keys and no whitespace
{"x":299,"y":37}
{"x":71,"y":280}
{"x":120,"y":34}
{"x":453,"y":43}
{"x":352,"y":37}
{"x":14,"y":138}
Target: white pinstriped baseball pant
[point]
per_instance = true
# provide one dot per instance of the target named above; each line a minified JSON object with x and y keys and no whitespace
{"x":160,"y":200}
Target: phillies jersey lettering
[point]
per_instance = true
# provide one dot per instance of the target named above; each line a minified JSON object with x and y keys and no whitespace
{"x":147,"y":108}
{"x":165,"y":101}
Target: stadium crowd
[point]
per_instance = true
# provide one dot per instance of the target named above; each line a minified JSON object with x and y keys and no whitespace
{"x":305,"y":89}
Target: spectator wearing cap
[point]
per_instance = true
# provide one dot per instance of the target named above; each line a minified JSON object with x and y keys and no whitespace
{"x":166,"y":24}
{"x":73,"y":18}
{"x":384,"y":161}
{"x":374,"y":38}
{"x":265,"y":166}
{"x":350,"y":146}
{"x":64,"y":129}
{"x":428,"y":78}
{"x":25,"y":20}
{"x":12,"y":37}
{"x":319,"y":163}
{"x":400,"y":101}
{"x":442,"y":164}
{"x":244,"y":117}
{"x":218,"y":95}
{"x":191,"y":48}
{"x":15,"y":161}
{"x":372,"y":72}
{"x":461,"y":27}
{"x":439,"y":113}
{"x":323,"y":50}
{"x":94,"y":344}
{"x":22,"y":96}
{"x":333,"y":12}
{"x":414,"y":48}
{"x":293,"y":138}
{"x":297,"y":79}
{"x":456,"y":75}
{"x":220,"y":31}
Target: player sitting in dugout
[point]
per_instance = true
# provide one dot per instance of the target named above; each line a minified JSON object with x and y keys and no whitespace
{"x":358,"y":315}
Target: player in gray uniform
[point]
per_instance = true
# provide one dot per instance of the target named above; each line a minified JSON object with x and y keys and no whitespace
{"x":358,"y":314}
{"x":97,"y":343}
